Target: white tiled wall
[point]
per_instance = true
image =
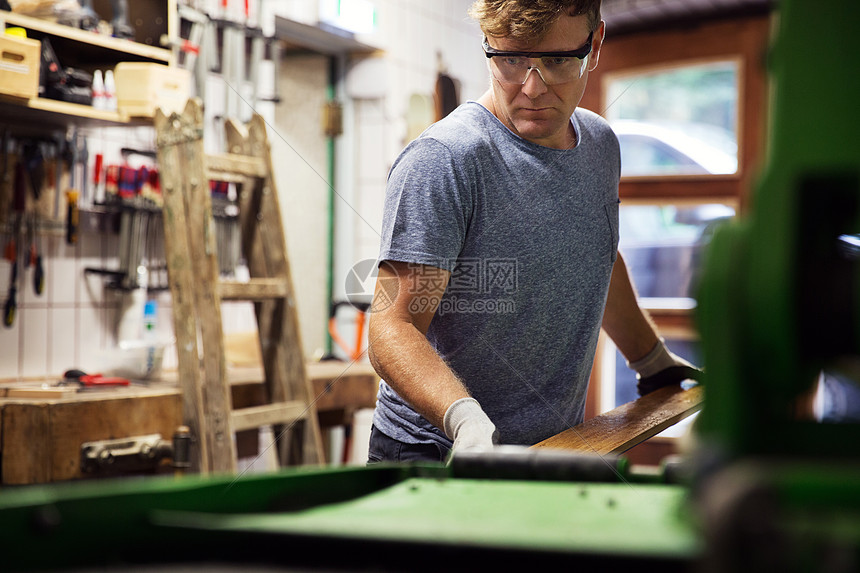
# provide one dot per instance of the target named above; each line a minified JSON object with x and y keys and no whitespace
{"x":75,"y":319}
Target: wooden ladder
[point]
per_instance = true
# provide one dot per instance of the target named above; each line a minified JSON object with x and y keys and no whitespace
{"x":197,"y":291}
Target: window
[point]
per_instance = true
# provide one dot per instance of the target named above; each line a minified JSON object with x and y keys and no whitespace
{"x":663,"y":246}
{"x":676,"y":121}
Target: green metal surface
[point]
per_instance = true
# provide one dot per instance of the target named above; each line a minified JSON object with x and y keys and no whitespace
{"x":618,"y":519}
{"x":420,"y":504}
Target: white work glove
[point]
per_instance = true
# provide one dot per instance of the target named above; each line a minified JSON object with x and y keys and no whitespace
{"x":469,"y":427}
{"x":660,"y":368}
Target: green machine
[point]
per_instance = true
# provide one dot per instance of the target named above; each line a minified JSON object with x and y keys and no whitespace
{"x":780,"y":303}
{"x":765,"y":490}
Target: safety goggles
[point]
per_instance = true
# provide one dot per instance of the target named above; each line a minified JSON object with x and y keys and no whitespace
{"x":554,"y":68}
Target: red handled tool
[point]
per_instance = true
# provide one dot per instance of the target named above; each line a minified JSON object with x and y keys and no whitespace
{"x":92,"y":380}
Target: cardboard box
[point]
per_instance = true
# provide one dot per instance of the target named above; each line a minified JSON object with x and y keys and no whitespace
{"x":141,"y":88}
{"x":20,"y":59}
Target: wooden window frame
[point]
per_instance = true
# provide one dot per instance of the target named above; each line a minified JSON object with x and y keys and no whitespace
{"x":744,"y":40}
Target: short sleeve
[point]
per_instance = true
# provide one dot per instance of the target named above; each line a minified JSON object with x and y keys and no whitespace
{"x":427,"y":207}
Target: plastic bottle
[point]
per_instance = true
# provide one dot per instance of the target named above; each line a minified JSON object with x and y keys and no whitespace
{"x":110,"y":91}
{"x":99,"y":98}
{"x":150,"y":310}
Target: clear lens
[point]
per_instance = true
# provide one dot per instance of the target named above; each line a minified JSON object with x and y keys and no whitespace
{"x":555,"y":70}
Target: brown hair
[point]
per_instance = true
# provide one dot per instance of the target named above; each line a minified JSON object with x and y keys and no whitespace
{"x":529,"y":19}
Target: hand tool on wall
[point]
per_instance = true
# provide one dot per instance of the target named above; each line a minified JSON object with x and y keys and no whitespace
{"x":99,"y":180}
{"x":72,"y":216}
{"x":240,"y":55}
{"x":33,"y":154}
{"x":228,"y":59}
{"x":34,"y":163}
{"x":274,"y":55}
{"x":4,"y":177}
{"x":197,"y":48}
{"x":29,"y":245}
{"x":36,"y":256}
{"x":60,"y":149}
{"x":19,"y":203}
{"x":83,"y":165}
{"x":121,"y":27}
{"x":11,"y":305}
{"x":258,"y":54}
{"x":89,"y":20}
{"x":72,"y":195}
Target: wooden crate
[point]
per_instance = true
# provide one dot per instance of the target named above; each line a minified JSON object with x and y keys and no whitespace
{"x":41,"y":437}
{"x":142,"y":87}
{"x":20,"y":60}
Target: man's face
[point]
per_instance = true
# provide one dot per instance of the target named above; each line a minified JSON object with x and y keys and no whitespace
{"x":535,"y":111}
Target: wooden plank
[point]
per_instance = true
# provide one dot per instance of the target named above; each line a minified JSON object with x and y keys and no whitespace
{"x":231,"y":164}
{"x":269,"y":414}
{"x":620,"y":429}
{"x":39,"y":392}
{"x":253,"y":290}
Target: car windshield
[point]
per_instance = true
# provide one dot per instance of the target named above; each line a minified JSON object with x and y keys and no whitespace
{"x":649,"y":148}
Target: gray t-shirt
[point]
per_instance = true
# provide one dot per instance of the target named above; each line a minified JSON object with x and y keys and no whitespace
{"x":530,"y":235}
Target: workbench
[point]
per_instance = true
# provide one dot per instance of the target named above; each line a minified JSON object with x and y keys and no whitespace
{"x":43,"y":425}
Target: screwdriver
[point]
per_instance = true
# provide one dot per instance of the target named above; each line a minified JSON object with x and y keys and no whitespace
{"x":11,"y":300}
{"x":11,"y":255}
{"x":72,"y":217}
{"x":19,"y":199}
{"x":36,"y":258}
{"x":72,"y":195}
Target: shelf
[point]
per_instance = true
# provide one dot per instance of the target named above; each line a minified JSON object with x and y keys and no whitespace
{"x":39,"y":114}
{"x":136,"y":51}
{"x":79,"y":49}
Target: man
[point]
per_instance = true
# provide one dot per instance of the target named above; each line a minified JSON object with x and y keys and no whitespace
{"x":499,"y":252}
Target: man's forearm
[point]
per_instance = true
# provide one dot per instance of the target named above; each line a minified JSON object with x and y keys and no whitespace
{"x":624,"y":320}
{"x":403,"y":357}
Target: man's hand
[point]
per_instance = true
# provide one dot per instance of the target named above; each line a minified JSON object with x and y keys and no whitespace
{"x":470,"y":428}
{"x":660,"y":368}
